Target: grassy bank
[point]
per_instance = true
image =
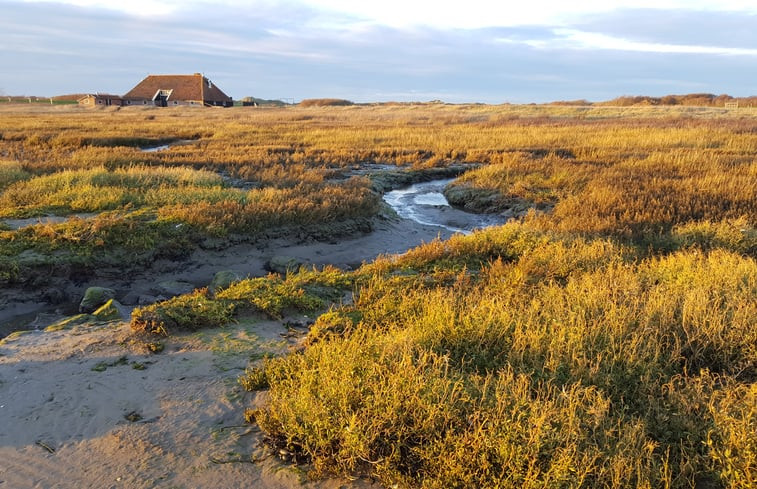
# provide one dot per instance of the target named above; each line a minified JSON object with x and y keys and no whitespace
{"x":515,"y":358}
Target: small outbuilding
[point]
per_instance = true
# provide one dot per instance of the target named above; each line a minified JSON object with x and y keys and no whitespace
{"x":100,"y":100}
{"x":175,"y":90}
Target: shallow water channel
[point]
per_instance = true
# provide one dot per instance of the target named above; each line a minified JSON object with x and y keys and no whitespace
{"x":425,"y":204}
{"x":163,"y":147}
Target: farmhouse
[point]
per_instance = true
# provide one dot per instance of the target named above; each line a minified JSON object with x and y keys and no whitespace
{"x":172,"y":90}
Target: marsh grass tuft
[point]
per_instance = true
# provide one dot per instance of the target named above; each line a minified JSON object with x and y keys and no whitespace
{"x":188,"y":312}
{"x":307,"y":290}
{"x":254,"y":379}
{"x":553,"y":361}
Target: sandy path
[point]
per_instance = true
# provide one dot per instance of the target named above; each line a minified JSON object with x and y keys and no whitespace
{"x":64,"y":398}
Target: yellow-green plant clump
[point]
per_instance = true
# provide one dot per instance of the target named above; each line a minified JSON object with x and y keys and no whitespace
{"x":555,"y":362}
{"x":306,"y":290}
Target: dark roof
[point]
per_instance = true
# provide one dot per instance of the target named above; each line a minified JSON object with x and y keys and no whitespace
{"x":183,"y":87}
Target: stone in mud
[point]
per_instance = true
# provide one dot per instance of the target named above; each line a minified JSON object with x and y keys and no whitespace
{"x":130,"y":299}
{"x":172,"y":288}
{"x":283,"y":264}
{"x":110,"y":311}
{"x":214,"y":244}
{"x":95,"y":297}
{"x":222,"y":280}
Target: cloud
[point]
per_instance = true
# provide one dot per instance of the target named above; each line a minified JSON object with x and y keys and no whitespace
{"x":593,"y":40}
{"x":563,"y":39}
{"x":692,"y":27}
{"x":472,"y":14}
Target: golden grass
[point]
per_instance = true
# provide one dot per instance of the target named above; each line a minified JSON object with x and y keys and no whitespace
{"x":565,"y":363}
{"x":631,"y":172}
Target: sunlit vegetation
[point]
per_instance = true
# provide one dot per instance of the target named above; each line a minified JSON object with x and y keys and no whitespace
{"x":302,"y":291}
{"x":514,"y":358}
{"x":606,"y":338}
{"x":325,"y":102}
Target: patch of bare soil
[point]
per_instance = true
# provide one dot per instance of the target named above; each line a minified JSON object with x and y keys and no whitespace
{"x":89,"y":408}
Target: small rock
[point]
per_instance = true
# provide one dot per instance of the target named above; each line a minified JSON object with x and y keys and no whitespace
{"x":95,"y":297}
{"x":214,"y":244}
{"x":133,"y":416}
{"x":223,"y":280}
{"x":283,"y":264}
{"x":54,"y":296}
{"x":130,"y":299}
{"x":146,"y":300}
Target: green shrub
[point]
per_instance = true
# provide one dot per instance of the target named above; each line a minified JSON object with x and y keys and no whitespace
{"x":271,"y":295}
{"x":187,"y":312}
{"x":254,"y":379}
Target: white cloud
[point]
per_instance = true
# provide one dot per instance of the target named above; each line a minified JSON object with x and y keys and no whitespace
{"x":473,"y":14}
{"x":592,"y":40}
{"x":575,"y":39}
{"x":144,"y":8}
{"x":470,"y":14}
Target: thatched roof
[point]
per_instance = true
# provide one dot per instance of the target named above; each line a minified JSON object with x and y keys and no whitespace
{"x":181,"y":87}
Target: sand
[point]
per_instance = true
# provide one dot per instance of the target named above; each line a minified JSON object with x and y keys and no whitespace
{"x":65,"y":398}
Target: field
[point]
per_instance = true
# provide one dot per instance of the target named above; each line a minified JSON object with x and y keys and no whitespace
{"x":604,"y":337}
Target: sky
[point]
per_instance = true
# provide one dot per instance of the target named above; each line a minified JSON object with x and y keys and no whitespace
{"x":487,"y":51}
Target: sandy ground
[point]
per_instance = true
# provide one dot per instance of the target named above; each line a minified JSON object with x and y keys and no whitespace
{"x":65,"y":398}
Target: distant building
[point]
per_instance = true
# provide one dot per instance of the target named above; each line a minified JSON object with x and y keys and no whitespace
{"x":174,"y":90}
{"x":100,"y":99}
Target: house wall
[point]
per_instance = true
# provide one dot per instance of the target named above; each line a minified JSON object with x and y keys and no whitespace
{"x":171,"y":103}
{"x":92,"y":101}
{"x":220,"y":103}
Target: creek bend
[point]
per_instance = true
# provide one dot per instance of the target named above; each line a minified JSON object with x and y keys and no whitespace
{"x":425,"y":204}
